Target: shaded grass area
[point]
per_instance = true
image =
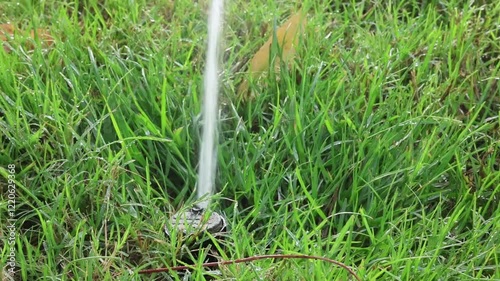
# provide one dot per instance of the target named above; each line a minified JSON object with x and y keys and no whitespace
{"x":378,"y":147}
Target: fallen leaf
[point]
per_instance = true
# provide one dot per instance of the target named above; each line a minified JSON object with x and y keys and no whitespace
{"x":287,"y":37}
{"x":9,"y":32}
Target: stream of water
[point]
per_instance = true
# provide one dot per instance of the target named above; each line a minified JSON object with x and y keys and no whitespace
{"x":208,"y":151}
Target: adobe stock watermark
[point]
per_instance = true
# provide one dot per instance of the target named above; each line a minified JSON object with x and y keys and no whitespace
{"x":11,"y":221}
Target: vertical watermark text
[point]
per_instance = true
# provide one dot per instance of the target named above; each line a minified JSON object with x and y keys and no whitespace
{"x":11,"y":220}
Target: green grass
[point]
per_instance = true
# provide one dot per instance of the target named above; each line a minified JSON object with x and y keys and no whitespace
{"x":379,"y":147}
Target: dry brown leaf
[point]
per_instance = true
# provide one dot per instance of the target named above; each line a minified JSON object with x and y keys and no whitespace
{"x":9,"y":32}
{"x":288,"y":35}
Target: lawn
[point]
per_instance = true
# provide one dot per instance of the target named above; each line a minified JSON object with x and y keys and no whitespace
{"x":377,"y":146}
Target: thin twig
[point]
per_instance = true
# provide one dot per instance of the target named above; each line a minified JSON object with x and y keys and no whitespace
{"x":249,"y":259}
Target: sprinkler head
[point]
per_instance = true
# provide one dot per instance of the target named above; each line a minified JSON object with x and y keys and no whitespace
{"x":196,"y":221}
{"x":190,"y":227}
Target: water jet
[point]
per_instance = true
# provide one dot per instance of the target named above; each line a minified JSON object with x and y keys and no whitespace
{"x":197,"y":220}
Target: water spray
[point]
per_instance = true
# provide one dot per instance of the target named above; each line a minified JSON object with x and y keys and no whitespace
{"x":208,"y":151}
{"x":197,"y":219}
